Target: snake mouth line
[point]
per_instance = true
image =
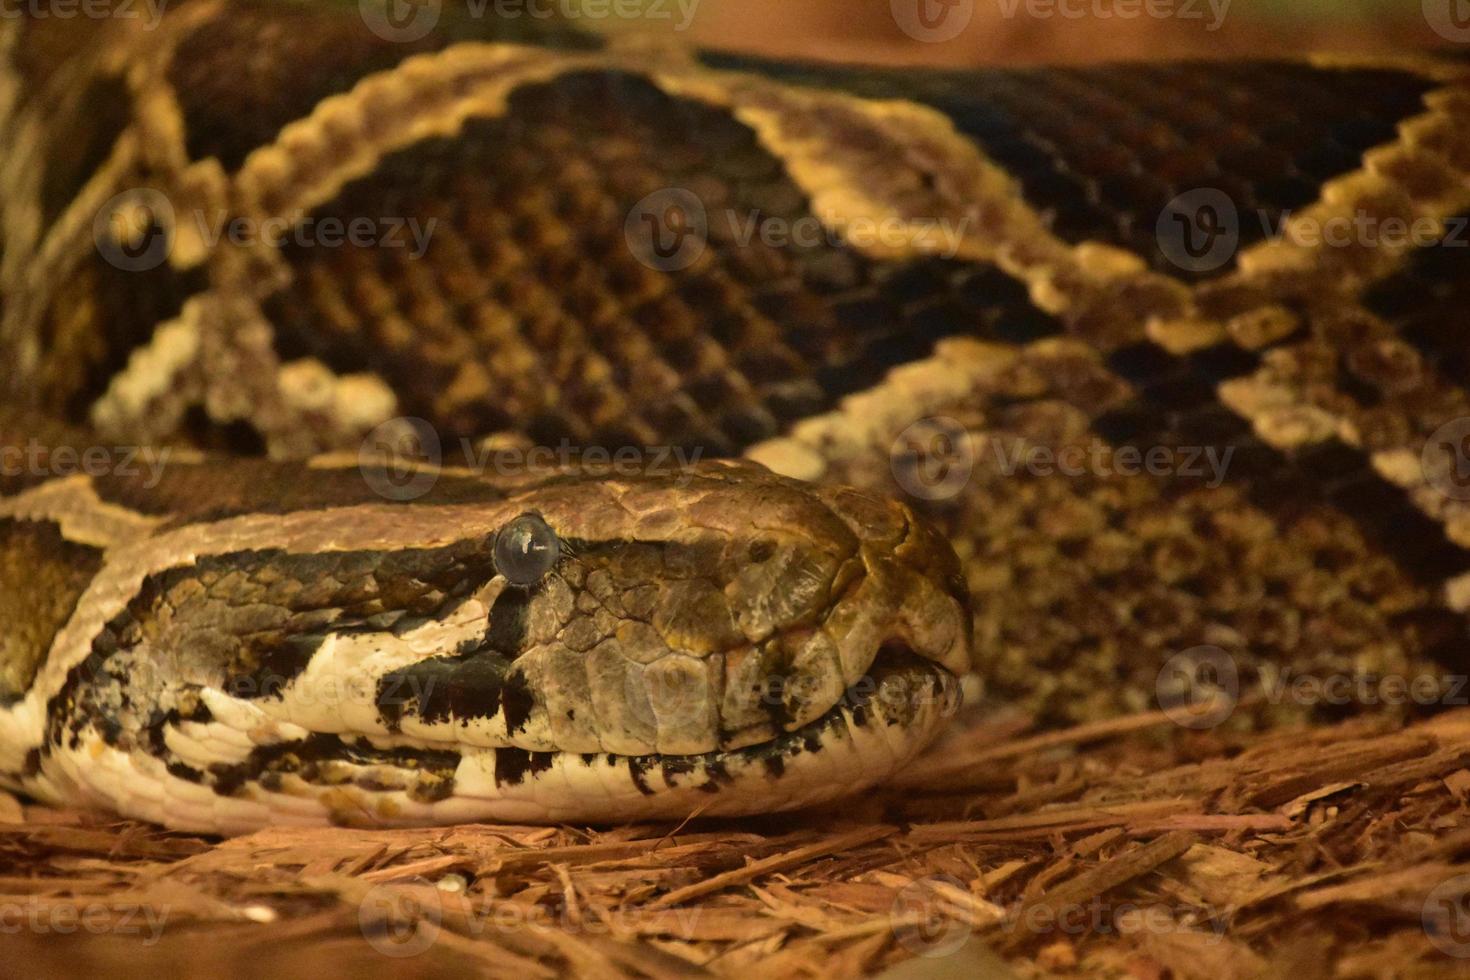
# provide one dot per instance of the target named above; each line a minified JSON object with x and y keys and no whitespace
{"x":878,"y":724}
{"x":900,"y":701}
{"x":890,"y":656}
{"x":898,"y":685}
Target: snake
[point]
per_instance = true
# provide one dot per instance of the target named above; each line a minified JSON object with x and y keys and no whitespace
{"x":433,"y":416}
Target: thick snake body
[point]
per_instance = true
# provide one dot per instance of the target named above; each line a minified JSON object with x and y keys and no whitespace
{"x":1118,"y":333}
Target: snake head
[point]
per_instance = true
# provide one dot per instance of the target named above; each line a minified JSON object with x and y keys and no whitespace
{"x":566,"y":646}
{"x":731,"y":640}
{"x":725,"y":610}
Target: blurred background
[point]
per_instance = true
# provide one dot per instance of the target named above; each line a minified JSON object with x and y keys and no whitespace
{"x":973,"y":32}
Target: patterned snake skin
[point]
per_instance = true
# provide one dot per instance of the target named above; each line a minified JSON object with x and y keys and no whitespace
{"x":1172,"y":354}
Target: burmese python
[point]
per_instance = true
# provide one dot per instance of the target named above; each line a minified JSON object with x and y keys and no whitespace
{"x":1149,"y":424}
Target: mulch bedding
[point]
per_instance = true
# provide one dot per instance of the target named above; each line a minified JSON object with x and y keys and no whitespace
{"x":1132,"y":847}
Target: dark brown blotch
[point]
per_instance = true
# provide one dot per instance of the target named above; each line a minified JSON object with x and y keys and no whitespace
{"x":42,"y":575}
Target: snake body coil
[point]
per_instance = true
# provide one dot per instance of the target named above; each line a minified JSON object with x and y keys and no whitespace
{"x":1169,"y":353}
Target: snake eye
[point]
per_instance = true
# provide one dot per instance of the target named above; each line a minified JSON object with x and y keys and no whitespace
{"x":526,"y":549}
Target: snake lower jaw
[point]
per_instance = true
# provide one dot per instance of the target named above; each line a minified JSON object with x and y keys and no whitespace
{"x":898,"y":708}
{"x":878,"y":725}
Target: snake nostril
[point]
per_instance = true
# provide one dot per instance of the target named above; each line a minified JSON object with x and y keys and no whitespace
{"x":761,"y":551}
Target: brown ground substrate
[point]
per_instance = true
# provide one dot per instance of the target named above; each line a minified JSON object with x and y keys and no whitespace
{"x":1132,"y":847}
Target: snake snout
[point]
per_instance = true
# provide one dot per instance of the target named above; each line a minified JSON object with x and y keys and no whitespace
{"x":914,"y":579}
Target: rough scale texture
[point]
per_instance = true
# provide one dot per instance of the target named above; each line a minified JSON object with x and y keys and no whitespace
{"x":1030,"y":304}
